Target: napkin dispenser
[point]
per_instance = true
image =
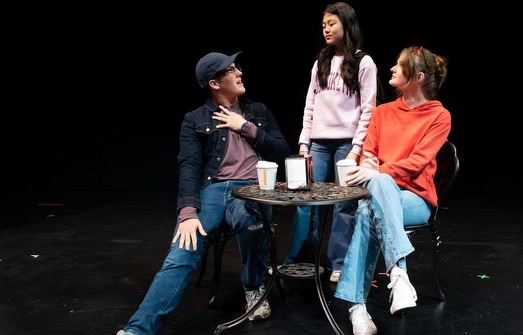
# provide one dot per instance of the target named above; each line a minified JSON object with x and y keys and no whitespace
{"x":298,"y":172}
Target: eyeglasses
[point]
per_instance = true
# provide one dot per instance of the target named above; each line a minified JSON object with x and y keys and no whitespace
{"x":235,"y":70}
{"x":420,"y":49}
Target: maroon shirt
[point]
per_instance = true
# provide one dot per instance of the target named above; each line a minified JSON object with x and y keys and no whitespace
{"x":239,"y":162}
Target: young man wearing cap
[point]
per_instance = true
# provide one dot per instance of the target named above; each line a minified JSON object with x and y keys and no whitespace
{"x":220,"y":145}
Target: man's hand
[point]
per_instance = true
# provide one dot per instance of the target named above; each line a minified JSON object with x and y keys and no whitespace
{"x":230,"y":119}
{"x":187,"y":233}
{"x":360,"y":175}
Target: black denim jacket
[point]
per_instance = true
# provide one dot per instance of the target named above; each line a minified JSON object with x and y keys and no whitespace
{"x":203,"y":146}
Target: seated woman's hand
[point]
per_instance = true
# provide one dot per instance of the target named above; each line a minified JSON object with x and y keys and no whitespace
{"x":360,"y":175}
{"x":370,"y":161}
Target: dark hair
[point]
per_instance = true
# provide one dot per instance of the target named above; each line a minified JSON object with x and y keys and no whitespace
{"x":352,"y":41}
{"x":419,"y":59}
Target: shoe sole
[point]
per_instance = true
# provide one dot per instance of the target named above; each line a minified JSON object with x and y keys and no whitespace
{"x":335,"y":279}
{"x":258,"y":317}
{"x":401,"y":310}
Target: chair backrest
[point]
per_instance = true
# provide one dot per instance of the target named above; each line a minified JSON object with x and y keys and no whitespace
{"x":446,"y":172}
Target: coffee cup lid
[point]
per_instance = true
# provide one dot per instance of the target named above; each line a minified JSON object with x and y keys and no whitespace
{"x":266,"y":164}
{"x":346,"y":162}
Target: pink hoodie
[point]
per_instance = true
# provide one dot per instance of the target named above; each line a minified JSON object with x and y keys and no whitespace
{"x":335,"y":113}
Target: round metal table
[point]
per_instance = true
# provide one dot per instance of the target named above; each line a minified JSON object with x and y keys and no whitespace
{"x":317,"y":194}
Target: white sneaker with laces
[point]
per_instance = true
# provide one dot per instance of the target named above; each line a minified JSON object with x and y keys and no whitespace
{"x":335,"y":276}
{"x":252,"y":297}
{"x":403,"y":294}
{"x":362,"y":323}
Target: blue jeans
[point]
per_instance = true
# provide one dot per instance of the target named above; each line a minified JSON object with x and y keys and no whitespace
{"x":380,"y":225}
{"x":325,"y":154}
{"x":169,"y":284}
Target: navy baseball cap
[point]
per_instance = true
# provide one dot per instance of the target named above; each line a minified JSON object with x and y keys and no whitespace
{"x":211,"y":64}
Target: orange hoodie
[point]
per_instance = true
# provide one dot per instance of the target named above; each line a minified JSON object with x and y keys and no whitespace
{"x":406,"y":141}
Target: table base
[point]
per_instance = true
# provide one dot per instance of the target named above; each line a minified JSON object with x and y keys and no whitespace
{"x":299,"y":271}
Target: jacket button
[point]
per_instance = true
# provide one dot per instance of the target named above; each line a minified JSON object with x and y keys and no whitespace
{"x":224,"y":139}
{"x":218,"y":159}
{"x":209,"y":178}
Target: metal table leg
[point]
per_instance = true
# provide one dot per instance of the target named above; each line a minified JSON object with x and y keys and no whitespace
{"x":317,"y":277}
{"x":272,"y":251}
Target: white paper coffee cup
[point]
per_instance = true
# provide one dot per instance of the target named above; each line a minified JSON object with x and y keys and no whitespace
{"x":345,"y":166}
{"x":267,"y":174}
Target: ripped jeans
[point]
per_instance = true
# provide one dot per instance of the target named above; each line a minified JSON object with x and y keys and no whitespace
{"x":170,"y":283}
{"x":380,"y":226}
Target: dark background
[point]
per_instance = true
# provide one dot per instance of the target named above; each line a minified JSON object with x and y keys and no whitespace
{"x":96,"y":93}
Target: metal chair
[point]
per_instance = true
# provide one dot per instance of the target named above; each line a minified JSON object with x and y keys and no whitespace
{"x":224,"y":234}
{"x":446,"y":173}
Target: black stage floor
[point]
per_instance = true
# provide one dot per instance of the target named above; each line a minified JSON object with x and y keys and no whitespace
{"x":83,"y":269}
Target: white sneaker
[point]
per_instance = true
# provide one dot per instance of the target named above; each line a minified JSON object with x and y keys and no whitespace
{"x":335,"y":276}
{"x":123,"y":332}
{"x":269,"y":269}
{"x":252,"y":297}
{"x":362,"y":323}
{"x":403,"y":294}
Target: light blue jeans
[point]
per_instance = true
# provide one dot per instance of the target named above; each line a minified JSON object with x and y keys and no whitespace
{"x":325,"y":154}
{"x":169,"y":284}
{"x":380,"y":225}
